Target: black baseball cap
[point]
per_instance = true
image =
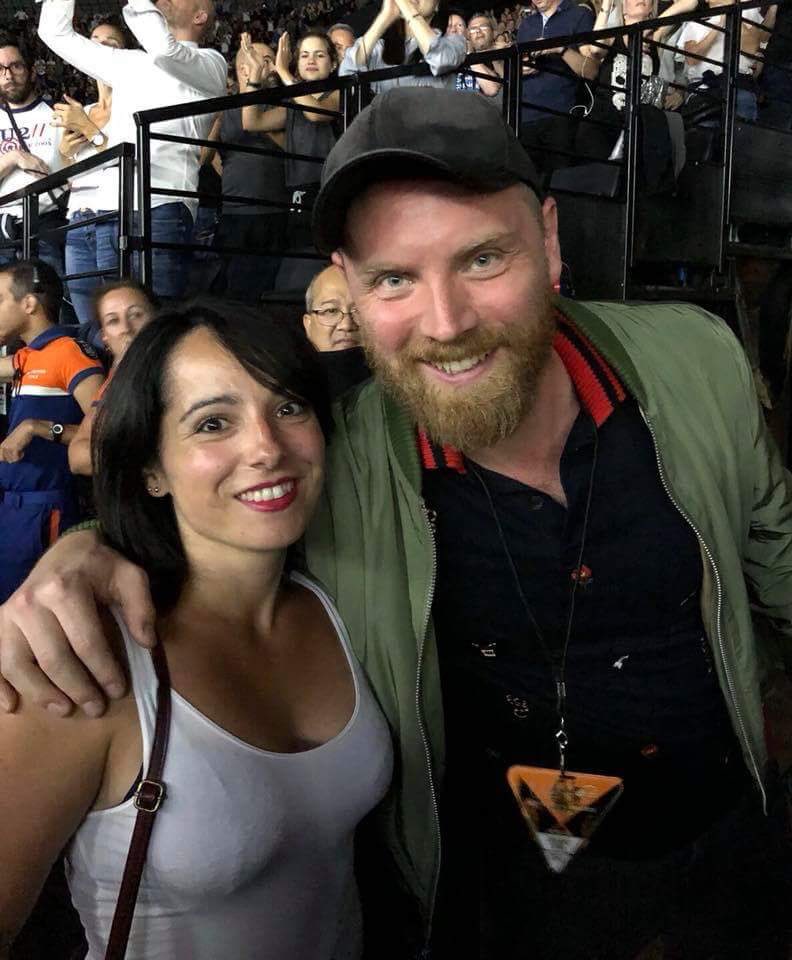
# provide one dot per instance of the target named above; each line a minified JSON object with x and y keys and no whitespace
{"x":412,"y":132}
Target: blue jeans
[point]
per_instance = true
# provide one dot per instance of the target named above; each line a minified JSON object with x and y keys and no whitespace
{"x":170,"y":223}
{"x":81,"y":258}
{"x":746,"y":107}
{"x":48,"y":252}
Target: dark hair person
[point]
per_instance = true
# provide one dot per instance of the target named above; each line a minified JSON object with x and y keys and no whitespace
{"x":86,"y":133}
{"x":208,"y":462}
{"x":120,"y":311}
{"x":307,"y":133}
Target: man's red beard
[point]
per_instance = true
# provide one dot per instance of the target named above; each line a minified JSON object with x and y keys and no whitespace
{"x":491,"y":408}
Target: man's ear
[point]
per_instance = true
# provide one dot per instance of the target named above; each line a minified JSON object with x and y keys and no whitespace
{"x":30,"y":303}
{"x":551,"y":242}
{"x":308,"y":327}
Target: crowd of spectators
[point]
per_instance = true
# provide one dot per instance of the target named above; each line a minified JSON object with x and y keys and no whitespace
{"x":573,"y":100}
{"x":263,"y":21}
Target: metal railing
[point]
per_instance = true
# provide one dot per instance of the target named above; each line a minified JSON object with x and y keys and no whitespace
{"x":124,"y":155}
{"x":356,"y":91}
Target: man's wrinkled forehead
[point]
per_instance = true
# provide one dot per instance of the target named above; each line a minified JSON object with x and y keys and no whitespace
{"x":392,"y":192}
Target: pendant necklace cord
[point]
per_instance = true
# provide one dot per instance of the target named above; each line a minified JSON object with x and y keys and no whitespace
{"x":557,"y":663}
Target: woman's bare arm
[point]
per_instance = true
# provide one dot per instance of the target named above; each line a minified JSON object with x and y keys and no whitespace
{"x":51,"y":771}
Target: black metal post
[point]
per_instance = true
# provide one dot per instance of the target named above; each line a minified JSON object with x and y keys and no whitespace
{"x":348,"y":105}
{"x":512,"y":88}
{"x":731,"y":61}
{"x":126,"y":187}
{"x":632,"y":119}
{"x":144,"y":198}
{"x":30,"y":226}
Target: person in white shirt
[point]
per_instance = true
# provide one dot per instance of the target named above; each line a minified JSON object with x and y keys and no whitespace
{"x":706,"y":40}
{"x":170,"y":69}
{"x":86,"y":131}
{"x":28,"y":151}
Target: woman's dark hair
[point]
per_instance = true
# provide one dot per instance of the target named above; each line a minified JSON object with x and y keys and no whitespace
{"x":130,"y":43}
{"x":319,"y":35}
{"x":126,"y":435}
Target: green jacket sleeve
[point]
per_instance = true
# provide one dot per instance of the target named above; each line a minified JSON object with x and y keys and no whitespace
{"x":767,"y":559}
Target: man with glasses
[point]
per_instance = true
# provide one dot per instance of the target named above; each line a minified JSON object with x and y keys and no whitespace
{"x":331,"y":325}
{"x":481,"y":38}
{"x":329,"y":318}
{"x":29,"y":151}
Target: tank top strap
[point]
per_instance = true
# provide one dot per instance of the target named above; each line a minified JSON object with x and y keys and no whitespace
{"x":335,"y":618}
{"x":144,"y":685}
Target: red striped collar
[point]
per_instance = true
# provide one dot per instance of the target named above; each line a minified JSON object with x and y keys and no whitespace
{"x":598,"y":388}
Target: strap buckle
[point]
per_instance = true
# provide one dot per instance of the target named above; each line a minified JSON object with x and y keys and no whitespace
{"x":149,"y":795}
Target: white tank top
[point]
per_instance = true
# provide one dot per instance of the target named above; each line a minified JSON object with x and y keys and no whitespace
{"x":251,"y":856}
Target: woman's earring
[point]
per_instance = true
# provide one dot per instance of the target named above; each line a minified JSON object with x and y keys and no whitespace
{"x":154,"y":491}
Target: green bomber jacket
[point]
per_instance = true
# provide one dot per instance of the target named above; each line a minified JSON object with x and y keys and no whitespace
{"x":371,"y":545}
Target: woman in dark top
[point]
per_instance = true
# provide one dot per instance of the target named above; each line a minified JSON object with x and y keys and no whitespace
{"x":600,"y":134}
{"x":307,"y":134}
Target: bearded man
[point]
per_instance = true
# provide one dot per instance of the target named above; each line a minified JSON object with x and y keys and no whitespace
{"x":544,"y":525}
{"x":29,"y":151}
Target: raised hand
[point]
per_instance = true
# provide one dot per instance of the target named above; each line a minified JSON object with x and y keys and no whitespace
{"x":283,"y":57}
{"x":251,"y":60}
{"x":408,"y":8}
{"x":390,"y":9}
{"x":70,"y":115}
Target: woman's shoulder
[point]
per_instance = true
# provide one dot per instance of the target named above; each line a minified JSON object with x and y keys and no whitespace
{"x":53,"y":742}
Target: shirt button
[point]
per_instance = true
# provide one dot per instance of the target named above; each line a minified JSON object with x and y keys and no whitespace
{"x":535,"y":503}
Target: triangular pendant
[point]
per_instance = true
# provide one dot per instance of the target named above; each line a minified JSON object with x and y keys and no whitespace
{"x":562,"y":810}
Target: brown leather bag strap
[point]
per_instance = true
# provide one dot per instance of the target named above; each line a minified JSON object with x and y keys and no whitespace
{"x":148,"y":799}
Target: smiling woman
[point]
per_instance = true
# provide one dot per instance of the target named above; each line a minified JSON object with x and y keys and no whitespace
{"x":208,"y":462}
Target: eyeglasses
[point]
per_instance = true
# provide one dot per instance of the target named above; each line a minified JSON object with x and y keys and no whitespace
{"x":478,"y":29}
{"x":16,"y":67}
{"x":330,"y":316}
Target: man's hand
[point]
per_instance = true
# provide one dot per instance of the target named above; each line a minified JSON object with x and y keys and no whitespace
{"x":12,"y":449}
{"x":30,"y":162}
{"x":70,"y":144}
{"x":52,"y":646}
{"x":251,"y":59}
{"x":71,"y":116}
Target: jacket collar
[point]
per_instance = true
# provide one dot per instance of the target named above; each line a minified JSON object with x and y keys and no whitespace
{"x":598,"y":388}
{"x":45,"y":337}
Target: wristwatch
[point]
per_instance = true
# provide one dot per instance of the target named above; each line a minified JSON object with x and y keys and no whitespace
{"x":98,"y":139}
{"x":56,"y":432}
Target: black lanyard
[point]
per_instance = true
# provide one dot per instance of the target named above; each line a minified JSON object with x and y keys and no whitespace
{"x":557,"y":662}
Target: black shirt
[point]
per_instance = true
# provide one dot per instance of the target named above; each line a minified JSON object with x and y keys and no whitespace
{"x":643,"y":699}
{"x":248,"y":174}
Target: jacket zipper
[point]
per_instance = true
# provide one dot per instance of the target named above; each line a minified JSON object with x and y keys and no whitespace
{"x":430,"y":523}
{"x":718,"y":604}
